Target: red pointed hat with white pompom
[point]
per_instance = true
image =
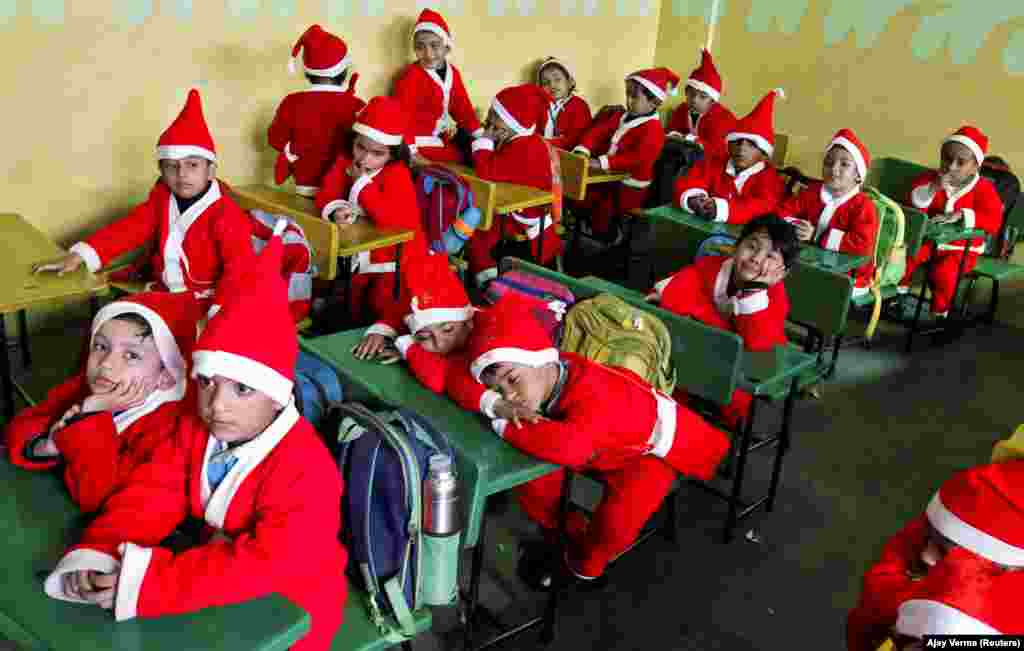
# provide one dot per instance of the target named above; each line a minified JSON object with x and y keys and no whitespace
{"x":759,"y":125}
{"x":188,"y":135}
{"x":323,"y":53}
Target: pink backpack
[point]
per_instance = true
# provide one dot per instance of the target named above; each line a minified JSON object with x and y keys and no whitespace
{"x":551,"y":299}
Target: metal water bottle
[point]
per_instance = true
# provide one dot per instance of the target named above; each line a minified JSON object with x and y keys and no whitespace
{"x":441,"y":532}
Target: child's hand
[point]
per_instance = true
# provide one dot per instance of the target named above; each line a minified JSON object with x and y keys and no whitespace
{"x":72,"y":411}
{"x":804,"y":229}
{"x":122,"y":396}
{"x":516,"y":412}
{"x":67,"y":264}
{"x":105,"y":592}
{"x":948,"y":218}
{"x":771,"y":273}
{"x":370,"y":346}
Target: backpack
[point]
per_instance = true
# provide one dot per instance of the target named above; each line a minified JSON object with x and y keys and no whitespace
{"x":996,"y":170}
{"x":890,"y":256}
{"x":676,"y":159}
{"x":296,"y":263}
{"x":550,"y":298}
{"x":716,"y":245}
{"x":317,"y":390}
{"x":383,"y":459}
{"x":446,"y":206}
{"x":608,"y":330}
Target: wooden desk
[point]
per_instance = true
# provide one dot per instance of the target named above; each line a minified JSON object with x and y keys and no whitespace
{"x":493,"y":198}
{"x":41,"y":521}
{"x":22,"y":245}
{"x":576,"y":175}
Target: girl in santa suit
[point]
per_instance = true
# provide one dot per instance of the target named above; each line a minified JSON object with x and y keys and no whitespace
{"x":568,"y":115}
{"x":199,"y":230}
{"x":246,"y":464}
{"x":834,"y":213}
{"x":107,"y":419}
{"x":703,"y":119}
{"x":373,"y":182}
{"x":433,"y":95}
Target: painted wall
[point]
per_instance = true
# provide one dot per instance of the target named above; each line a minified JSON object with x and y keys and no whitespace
{"x":92,"y":83}
{"x":902,"y":73}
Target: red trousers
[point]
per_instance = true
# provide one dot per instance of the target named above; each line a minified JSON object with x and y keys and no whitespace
{"x":372,"y":296}
{"x":608,"y":201}
{"x":480,"y":250}
{"x":447,"y":154}
{"x":942,"y":275}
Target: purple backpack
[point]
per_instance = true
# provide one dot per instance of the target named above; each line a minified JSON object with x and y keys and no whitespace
{"x":550,"y":298}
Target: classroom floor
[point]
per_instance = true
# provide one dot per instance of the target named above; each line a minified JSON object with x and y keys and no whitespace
{"x":867,"y":456}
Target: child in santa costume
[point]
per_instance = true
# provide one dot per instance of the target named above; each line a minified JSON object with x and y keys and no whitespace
{"x":568,"y":115}
{"x":512,"y":151}
{"x":310,"y":126}
{"x":247,"y":464}
{"x":107,"y":419}
{"x":591,"y":418}
{"x":372,"y":181}
{"x":834,"y":213}
{"x":954,"y":194}
{"x":742,"y":293}
{"x":980,"y":510}
{"x":703,"y":120}
{"x":627,"y":141}
{"x":433,"y":95}
{"x":743,"y":185}
{"x":199,"y":230}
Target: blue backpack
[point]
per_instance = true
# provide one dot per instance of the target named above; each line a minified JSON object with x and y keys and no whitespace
{"x":317,"y":389}
{"x":383,"y":461}
{"x":446,"y":205}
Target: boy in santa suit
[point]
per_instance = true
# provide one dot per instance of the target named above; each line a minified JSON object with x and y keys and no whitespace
{"x":627,"y":141}
{"x":954,"y":194}
{"x":582,"y":424}
{"x":310,"y":126}
{"x":980,"y":510}
{"x":743,"y":185}
{"x":373,"y":182}
{"x":246,"y":464}
{"x":703,"y":120}
{"x":568,"y":115}
{"x":433,"y":95}
{"x":834,"y":213}
{"x":107,"y":419}
{"x":199,"y":230}
{"x":512,"y":151}
{"x":742,"y":293}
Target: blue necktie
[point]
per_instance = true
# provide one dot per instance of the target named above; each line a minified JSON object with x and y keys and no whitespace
{"x":219,"y":466}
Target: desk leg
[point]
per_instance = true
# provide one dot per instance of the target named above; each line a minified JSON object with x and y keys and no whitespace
{"x":398,"y":271}
{"x":26,"y":354}
{"x":920,"y":305}
{"x":5,"y":370}
{"x":343,"y":279}
{"x":837,"y":342}
{"x":741,"y":464}
{"x":783,"y":446}
{"x":548,"y":633}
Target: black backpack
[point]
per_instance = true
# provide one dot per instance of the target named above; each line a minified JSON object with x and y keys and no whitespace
{"x":1007,"y":184}
{"x":677,"y":157}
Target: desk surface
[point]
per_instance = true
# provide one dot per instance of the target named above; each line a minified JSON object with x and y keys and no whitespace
{"x":605,"y":177}
{"x":509,"y":197}
{"x":487,"y":464}
{"x":22,"y":245}
{"x":40,"y":521}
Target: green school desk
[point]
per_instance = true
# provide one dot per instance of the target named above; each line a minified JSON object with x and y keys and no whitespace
{"x":22,"y":245}
{"x":39,"y":521}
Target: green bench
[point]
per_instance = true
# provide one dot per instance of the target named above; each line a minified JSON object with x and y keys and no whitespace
{"x":997,"y":270}
{"x":359,"y":633}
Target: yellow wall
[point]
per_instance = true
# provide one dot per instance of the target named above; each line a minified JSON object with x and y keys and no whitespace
{"x":92,"y":83}
{"x":901,"y":73}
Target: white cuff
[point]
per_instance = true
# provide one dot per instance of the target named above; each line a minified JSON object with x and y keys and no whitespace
{"x":721,"y":210}
{"x":331,"y":207}
{"x":902,"y":289}
{"x":79,"y":559}
{"x":859,"y":291}
{"x":499,"y":425}
{"x":478,"y":133}
{"x":403,"y":343}
{"x":690,"y":138}
{"x":212,"y":311}
{"x":660,"y":286}
{"x":412,"y":149}
{"x":288,"y":153}
{"x":835,"y":238}
{"x":675,"y":134}
{"x":922,"y":196}
{"x":89,"y":255}
{"x":381,"y":328}
{"x":487,"y":402}
{"x":604,"y":162}
{"x":752,"y":304}
{"x":134,"y":563}
{"x":692,"y":192}
{"x":580,"y":149}
{"x":482,"y":144}
{"x":969,"y":217}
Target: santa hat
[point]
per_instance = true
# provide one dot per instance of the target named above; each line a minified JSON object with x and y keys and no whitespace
{"x":521,"y":107}
{"x":323,"y":53}
{"x":758,"y":126}
{"x":508,"y":333}
{"x":252,"y":338}
{"x":188,"y":135}
{"x":659,"y":81}
{"x":431,"y":21}
{"x":849,"y":141}
{"x":705,"y":77}
{"x":973,"y":139}
{"x":437,"y":294}
{"x":382,"y":120}
{"x":555,"y":61}
{"x":982,"y":509}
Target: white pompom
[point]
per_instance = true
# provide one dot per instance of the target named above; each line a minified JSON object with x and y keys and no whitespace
{"x":279,"y":226}
{"x":674,"y":90}
{"x":781,"y":94}
{"x":291,"y":65}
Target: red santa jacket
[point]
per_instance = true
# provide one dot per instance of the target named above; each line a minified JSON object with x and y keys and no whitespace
{"x":979,"y":201}
{"x":739,"y":197}
{"x":388,"y":199}
{"x":271,"y":526}
{"x":97,"y":457}
{"x":193,"y":250}
{"x":709,"y":131}
{"x":700,"y":290}
{"x":448,"y":374}
{"x":848,"y":224}
{"x":565,"y":121}
{"x":523,"y":160}
{"x":625,"y":144}
{"x":429,"y":100}
{"x":309,"y":129}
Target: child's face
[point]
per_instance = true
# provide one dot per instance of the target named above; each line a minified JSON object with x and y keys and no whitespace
{"x":444,"y":338}
{"x":958,"y":163}
{"x":186,"y":177}
{"x":369,"y":156}
{"x":496,"y":128}
{"x":120,"y":355}
{"x":553,"y":80}
{"x":430,"y":50}
{"x":232,"y":411}
{"x":698,"y":100}
{"x":839,"y":171}
{"x":936,"y":547}
{"x":757,"y":259}
{"x":528,"y":385}
{"x":744,"y":153}
{"x":637,"y":101}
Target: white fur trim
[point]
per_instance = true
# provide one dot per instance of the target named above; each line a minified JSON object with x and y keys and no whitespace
{"x":692,"y":192}
{"x":649,"y":85}
{"x":859,"y":291}
{"x":701,"y":86}
{"x":922,"y":196}
{"x":428,"y":141}
{"x":382,"y":329}
{"x":177,"y":152}
{"x":88,"y":255}
{"x":676,"y":134}
{"x":533,"y":358}
{"x":740,"y":179}
{"x":403,"y":344}
{"x":482,"y":144}
{"x":580,"y":149}
{"x":499,"y":425}
{"x":333,"y":71}
{"x":307,"y":190}
{"x":134,"y":563}
{"x":603,"y":161}
{"x":659,"y":287}
{"x":323,"y":88}
{"x":752,"y":304}
{"x":478,"y":133}
{"x":511,"y":120}
{"x":966,"y":535}
{"x":79,"y":559}
{"x":721,"y":210}
{"x":902,"y":289}
{"x":629,"y":181}
{"x":759,"y":140}
{"x":288,"y":153}
{"x":178,"y":223}
{"x":663,"y":436}
{"x":488,"y":400}
{"x":377,"y":135}
{"x":245,"y":370}
{"x":969,"y":217}
{"x":331,"y":207}
{"x":970,"y":144}
{"x":835,"y":238}
{"x":920,"y":617}
{"x":854,"y":151}
{"x":419,"y":319}
{"x":433,"y":28}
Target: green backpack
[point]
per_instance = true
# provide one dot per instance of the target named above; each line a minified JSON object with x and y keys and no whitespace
{"x":890,"y":250}
{"x":612,"y":332}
